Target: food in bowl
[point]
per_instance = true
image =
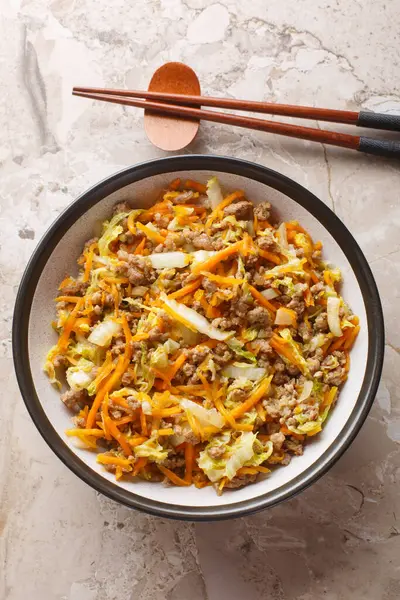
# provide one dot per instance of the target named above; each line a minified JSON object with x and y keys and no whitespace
{"x":202,"y":342}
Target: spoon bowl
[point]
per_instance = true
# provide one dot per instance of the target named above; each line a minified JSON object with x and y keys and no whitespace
{"x":172,"y":133}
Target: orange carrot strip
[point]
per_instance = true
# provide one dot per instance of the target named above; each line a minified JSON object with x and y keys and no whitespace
{"x":154,"y":236}
{"x":261,"y":299}
{"x":131,"y":223}
{"x":166,"y":412}
{"x":70,"y":299}
{"x":118,"y":435}
{"x":133,"y":442}
{"x":177,"y":365}
{"x":143,"y":423}
{"x":212,"y":262}
{"x":64,"y":338}
{"x":140,"y":247}
{"x":107,"y":459}
{"x":175,"y":183}
{"x":195,"y":185}
{"x":89,"y":261}
{"x":187,"y":289}
{"x":252,"y":400}
{"x":139,"y":337}
{"x":189,"y":459}
{"x":351,"y":339}
{"x":223,"y":280}
{"x":139,"y":465}
{"x":166,"y":431}
{"x":274,"y":258}
{"x":172,"y":476}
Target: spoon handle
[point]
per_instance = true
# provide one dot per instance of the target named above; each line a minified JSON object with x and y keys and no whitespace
{"x":375,"y":120}
{"x":379,"y":147}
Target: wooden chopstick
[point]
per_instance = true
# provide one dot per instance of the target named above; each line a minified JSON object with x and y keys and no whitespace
{"x":344,"y":140}
{"x":348,"y":117}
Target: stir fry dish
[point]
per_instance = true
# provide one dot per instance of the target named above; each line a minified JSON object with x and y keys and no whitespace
{"x":202,"y":341}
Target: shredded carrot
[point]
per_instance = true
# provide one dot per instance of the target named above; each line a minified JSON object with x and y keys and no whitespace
{"x":89,"y":261}
{"x":261,"y":299}
{"x":70,"y":299}
{"x":69,"y":324}
{"x":66,"y":282}
{"x":140,"y":247}
{"x":167,"y":431}
{"x":222,"y":484}
{"x":253,"y":399}
{"x":195,"y":185}
{"x":352,"y":337}
{"x":167,"y":412}
{"x":115,"y":295}
{"x":137,"y":441}
{"x":91,"y":432}
{"x":131,"y":223}
{"x":154,"y":236}
{"x":189,"y":459}
{"x":139,"y":337}
{"x":143,"y":423}
{"x":274,"y":258}
{"x":172,"y":476}
{"x":175,"y":183}
{"x":223,"y":280}
{"x":139,"y":465}
{"x":108,"y":459}
{"x":187,"y":289}
{"x":118,"y":435}
{"x":212,"y":262}
{"x":226,"y":202}
{"x":247,"y":471}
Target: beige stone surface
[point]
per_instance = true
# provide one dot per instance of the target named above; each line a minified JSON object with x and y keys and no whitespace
{"x":58,"y":539}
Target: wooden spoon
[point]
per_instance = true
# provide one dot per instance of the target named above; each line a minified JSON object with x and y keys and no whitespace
{"x":170,"y":132}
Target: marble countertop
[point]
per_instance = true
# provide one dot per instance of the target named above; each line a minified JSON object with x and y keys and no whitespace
{"x":59,"y":540}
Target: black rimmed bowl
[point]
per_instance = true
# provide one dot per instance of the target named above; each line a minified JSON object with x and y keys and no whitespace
{"x":56,"y":255}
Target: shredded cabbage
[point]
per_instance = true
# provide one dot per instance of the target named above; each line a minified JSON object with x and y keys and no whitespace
{"x":103,"y":333}
{"x":237,"y":347}
{"x":112,"y":230}
{"x":159,"y":358}
{"x":214,"y":192}
{"x":306,"y":391}
{"x":193,"y":320}
{"x":80,"y":376}
{"x":243,"y":370}
{"x":246,"y":450}
{"x":332,"y":308}
{"x":204,"y":416}
{"x":169,"y":260}
{"x":151,"y":449}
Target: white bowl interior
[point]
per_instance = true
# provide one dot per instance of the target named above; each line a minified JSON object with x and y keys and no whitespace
{"x":63,"y":262}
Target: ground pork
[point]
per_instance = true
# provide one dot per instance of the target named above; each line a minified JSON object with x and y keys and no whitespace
{"x":198,"y":354}
{"x":277,"y":440}
{"x":183,"y":197}
{"x":262,"y":211}
{"x":294,"y":446}
{"x":121,"y":207}
{"x":138,"y":270}
{"x":156,"y":335}
{"x":226,"y":323}
{"x":321,"y":323}
{"x":304,"y":332}
{"x":241,"y":210}
{"x":202,"y":241}
{"x":240,"y":481}
{"x":216,"y":452}
{"x":222,"y":354}
{"x":60,"y":361}
{"x":75,"y":288}
{"x":238,"y":395}
{"x":186,"y":433}
{"x":259,"y":316}
{"x":267,"y":240}
{"x":316,"y":288}
{"x":75,"y":400}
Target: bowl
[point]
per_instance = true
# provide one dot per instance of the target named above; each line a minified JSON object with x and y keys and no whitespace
{"x":56,"y":255}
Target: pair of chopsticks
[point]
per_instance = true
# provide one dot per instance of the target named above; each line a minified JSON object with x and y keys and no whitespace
{"x":177,"y":104}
